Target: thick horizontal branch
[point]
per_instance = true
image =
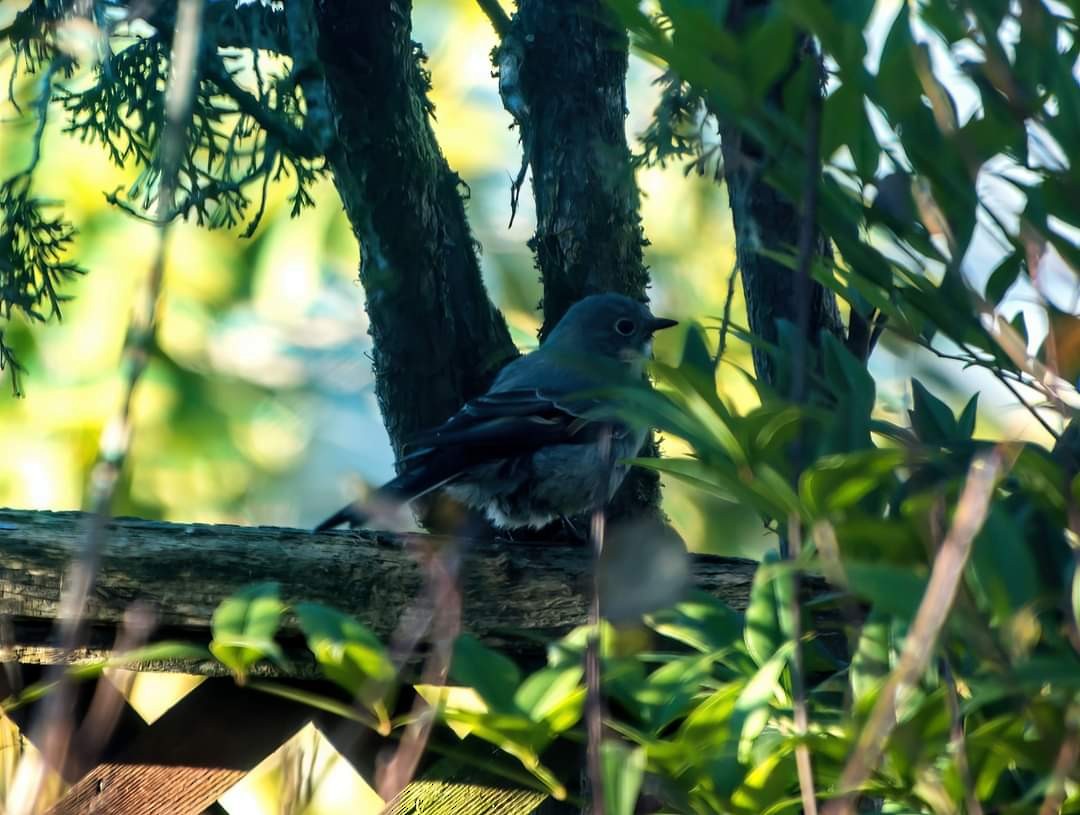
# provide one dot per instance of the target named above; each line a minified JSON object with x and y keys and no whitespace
{"x":514,"y":594}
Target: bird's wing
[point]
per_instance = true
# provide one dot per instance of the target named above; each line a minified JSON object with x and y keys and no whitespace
{"x":501,"y":424}
{"x":506,"y":423}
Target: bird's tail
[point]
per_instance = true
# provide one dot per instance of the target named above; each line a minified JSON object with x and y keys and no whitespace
{"x":353,"y":514}
{"x":408,"y":486}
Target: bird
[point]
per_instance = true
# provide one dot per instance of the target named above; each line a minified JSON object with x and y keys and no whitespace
{"x":537,"y":446}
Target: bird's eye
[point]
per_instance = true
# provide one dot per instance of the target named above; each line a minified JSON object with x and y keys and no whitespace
{"x":624,"y":326}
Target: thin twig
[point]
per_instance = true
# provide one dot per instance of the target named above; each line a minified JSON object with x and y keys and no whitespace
{"x":594,"y":703}
{"x":498,"y":17}
{"x":807,"y":234}
{"x":443,"y":567}
{"x":726,"y":322}
{"x":1030,"y":408}
{"x":933,"y":611}
{"x":116,"y":438}
{"x":1002,"y":376}
{"x":294,"y":139}
{"x":957,"y":741}
{"x":803,"y":765}
{"x":1068,"y":755}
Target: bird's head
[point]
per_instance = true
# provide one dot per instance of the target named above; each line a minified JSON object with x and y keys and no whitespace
{"x":610,"y":325}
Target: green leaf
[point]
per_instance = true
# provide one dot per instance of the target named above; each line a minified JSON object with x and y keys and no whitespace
{"x":622,"y":771}
{"x":349,"y":654}
{"x":752,"y":710}
{"x":870,"y":664}
{"x":834,"y":483}
{"x":965,"y":425}
{"x":762,"y":632}
{"x":243,"y":628}
{"x":697,"y":363}
{"x":897,"y":79}
{"x":768,"y":53}
{"x":765,"y":784}
{"x":854,"y":389}
{"x":553,"y":696}
{"x":1002,"y":565}
{"x":931,"y":418}
{"x":707,"y":725}
{"x":701,"y":621}
{"x":896,"y":590}
{"x":1019,"y":322}
{"x":667,"y":692}
{"x":493,"y":676}
{"x":845,"y":122}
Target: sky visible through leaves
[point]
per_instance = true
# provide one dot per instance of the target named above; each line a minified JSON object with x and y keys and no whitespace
{"x":259,"y":408}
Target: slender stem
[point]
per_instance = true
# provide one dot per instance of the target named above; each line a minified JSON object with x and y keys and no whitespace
{"x":803,"y":764}
{"x":594,"y":703}
{"x":726,"y":323}
{"x":1030,"y":408}
{"x":499,"y":19}
{"x":1064,"y":764}
{"x":115,"y":442}
{"x":957,"y":741}
{"x":807,"y":233}
{"x":930,"y":618}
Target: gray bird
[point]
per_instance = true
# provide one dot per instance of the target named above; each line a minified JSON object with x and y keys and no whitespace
{"x":530,"y":450}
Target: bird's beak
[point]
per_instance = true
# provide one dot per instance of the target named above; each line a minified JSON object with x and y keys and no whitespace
{"x":658,"y":323}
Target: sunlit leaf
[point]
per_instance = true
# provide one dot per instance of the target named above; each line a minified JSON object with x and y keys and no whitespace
{"x":495,"y":677}
{"x":243,"y":628}
{"x":348,"y":653}
{"x":622,"y":771}
{"x":701,"y":621}
{"x":762,"y":632}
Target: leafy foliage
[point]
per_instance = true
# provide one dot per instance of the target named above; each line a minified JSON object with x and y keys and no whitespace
{"x":705,"y":716}
{"x":898,"y":197}
{"x":32,"y":260}
{"x":248,"y":126}
{"x":701,"y":709}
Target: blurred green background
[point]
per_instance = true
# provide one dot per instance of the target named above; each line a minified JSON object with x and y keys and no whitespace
{"x":258,"y":407}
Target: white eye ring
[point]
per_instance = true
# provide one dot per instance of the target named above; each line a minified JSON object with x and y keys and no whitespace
{"x":624,"y":326}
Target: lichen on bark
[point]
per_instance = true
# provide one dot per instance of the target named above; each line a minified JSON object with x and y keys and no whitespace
{"x":438,"y":339}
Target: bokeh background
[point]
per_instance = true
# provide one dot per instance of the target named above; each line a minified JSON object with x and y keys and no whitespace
{"x":258,"y":407}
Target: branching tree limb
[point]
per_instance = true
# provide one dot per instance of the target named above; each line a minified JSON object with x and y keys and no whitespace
{"x":562,"y":76}
{"x":768,"y":221}
{"x":419,"y":265}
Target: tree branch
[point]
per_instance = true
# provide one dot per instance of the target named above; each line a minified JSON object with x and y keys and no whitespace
{"x":514,"y":595}
{"x":568,"y":96}
{"x":922,"y":636}
{"x":499,"y":19}
{"x":419,"y":265}
{"x":562,"y":76}
{"x":766,"y":219}
{"x":290,"y":137}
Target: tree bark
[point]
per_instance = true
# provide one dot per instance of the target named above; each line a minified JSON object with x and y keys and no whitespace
{"x":438,"y":340}
{"x":767,"y":220}
{"x":515,"y":596}
{"x":562,"y":75}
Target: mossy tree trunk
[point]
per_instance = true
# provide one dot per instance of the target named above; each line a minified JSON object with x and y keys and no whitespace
{"x":562,"y":75}
{"x":438,"y":340}
{"x":767,"y":220}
